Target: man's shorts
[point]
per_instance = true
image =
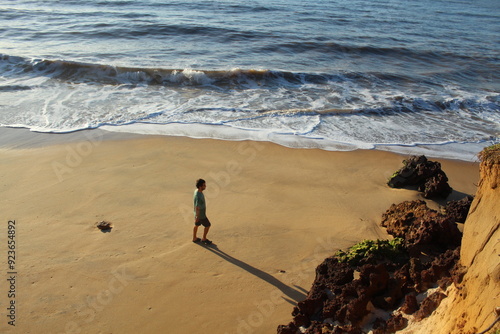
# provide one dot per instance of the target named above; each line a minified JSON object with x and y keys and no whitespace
{"x":205,"y":222}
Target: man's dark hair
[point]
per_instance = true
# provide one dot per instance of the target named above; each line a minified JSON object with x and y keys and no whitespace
{"x":199,"y":183}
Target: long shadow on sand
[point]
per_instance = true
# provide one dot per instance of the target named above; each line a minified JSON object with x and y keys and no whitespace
{"x":293,"y":294}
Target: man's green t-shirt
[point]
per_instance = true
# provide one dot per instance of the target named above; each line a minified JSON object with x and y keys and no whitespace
{"x":199,"y":201}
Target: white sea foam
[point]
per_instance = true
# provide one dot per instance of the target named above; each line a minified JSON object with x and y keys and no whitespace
{"x":293,"y":114}
{"x":447,"y":150}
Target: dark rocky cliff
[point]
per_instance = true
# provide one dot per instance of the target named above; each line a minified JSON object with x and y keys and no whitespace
{"x":399,"y":286}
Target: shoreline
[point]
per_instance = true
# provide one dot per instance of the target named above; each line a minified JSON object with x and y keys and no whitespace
{"x":24,"y":137}
{"x":276,"y":213}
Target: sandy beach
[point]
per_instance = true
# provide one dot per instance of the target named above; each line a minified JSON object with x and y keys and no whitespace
{"x":276,"y":213}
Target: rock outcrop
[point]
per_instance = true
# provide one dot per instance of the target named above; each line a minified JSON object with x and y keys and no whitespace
{"x":421,"y":227}
{"x":440,"y":284}
{"x":340,"y":303}
{"x":458,"y":210}
{"x":426,"y":175}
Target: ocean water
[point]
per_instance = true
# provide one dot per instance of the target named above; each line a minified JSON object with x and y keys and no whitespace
{"x":406,"y":76}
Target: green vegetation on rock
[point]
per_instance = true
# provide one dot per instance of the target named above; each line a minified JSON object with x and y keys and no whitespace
{"x":381,"y":249}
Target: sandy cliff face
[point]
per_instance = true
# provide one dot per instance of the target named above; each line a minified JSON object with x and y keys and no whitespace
{"x":471,"y":306}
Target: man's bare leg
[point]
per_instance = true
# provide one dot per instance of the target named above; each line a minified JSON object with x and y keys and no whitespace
{"x":205,"y":232}
{"x":195,"y":232}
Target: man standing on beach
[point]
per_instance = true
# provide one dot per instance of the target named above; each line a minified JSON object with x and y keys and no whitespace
{"x":200,"y":216}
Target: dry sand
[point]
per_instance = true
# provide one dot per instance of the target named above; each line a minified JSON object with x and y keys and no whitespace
{"x":276,"y":214}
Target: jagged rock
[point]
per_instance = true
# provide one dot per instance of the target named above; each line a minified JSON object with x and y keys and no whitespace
{"x":425,"y":174}
{"x":288,"y":329}
{"x":393,"y":324}
{"x":412,"y":173}
{"x":392,"y":297}
{"x":399,"y":218}
{"x":434,"y":233}
{"x":402,"y":275}
{"x":379,"y":326}
{"x":335,"y":294}
{"x":411,"y":304}
{"x":350,"y":305}
{"x":301,"y":320}
{"x":330,"y":276}
{"x":415,"y":269}
{"x":436,"y":186}
{"x":331,"y":273}
{"x":375,"y":278}
{"x":347,"y":329}
{"x":442,"y":266}
{"x":458,"y":210}
{"x":318,"y":327}
{"x":356,"y":309}
{"x":432,"y":243}
{"x":396,"y":323}
{"x":421,"y":227}
{"x":429,"y":304}
{"x":306,"y":309}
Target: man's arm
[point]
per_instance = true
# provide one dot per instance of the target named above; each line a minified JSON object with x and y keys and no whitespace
{"x":197,"y":215}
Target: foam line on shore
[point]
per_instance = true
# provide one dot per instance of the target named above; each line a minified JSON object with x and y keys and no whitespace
{"x":24,"y":138}
{"x":445,"y":150}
